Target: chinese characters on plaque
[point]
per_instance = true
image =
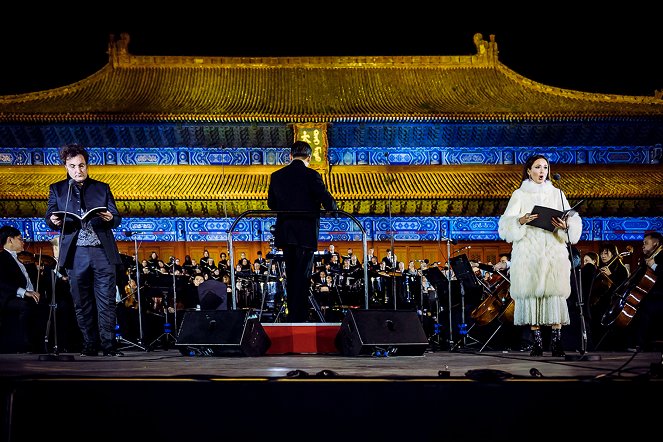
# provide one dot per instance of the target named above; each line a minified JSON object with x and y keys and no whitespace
{"x":315,"y":134}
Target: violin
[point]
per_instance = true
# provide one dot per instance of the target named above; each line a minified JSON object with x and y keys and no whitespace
{"x":26,"y":257}
{"x":602,"y":283}
{"x":130,"y":299}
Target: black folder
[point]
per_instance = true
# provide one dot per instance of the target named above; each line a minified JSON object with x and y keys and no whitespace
{"x":544,"y":221}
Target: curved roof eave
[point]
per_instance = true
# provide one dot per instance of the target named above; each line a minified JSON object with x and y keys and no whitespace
{"x":324,"y":89}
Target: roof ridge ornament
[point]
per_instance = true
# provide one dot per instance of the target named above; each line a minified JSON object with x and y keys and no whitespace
{"x":118,"y":49}
{"x":486,"y":50}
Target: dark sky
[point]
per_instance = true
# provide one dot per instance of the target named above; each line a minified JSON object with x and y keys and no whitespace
{"x":616,"y":53}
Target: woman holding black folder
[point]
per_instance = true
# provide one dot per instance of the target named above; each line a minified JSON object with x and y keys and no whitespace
{"x":540,"y":270}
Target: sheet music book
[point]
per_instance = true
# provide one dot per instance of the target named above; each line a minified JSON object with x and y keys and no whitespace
{"x":544,"y":221}
{"x":83,"y":217}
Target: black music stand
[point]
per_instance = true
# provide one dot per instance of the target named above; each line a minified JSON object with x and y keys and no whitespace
{"x":464,"y":273}
{"x":163,"y":282}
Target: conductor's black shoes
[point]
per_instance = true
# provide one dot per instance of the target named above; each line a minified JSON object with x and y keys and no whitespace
{"x":87,"y":351}
{"x":113,"y":353}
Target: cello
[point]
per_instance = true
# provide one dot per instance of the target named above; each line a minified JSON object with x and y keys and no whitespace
{"x":627,"y":297}
{"x":496,"y":303}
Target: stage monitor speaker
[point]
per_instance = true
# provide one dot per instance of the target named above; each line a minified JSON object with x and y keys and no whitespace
{"x":222,"y":333}
{"x":381,"y":333}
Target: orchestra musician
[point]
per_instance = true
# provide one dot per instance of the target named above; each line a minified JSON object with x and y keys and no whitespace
{"x":610,"y":274}
{"x":648,"y":322}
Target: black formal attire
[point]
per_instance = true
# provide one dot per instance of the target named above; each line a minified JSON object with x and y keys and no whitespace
{"x":89,"y":254}
{"x":18,"y":315}
{"x":213,"y":295}
{"x":648,"y":321}
{"x":296,"y":187}
{"x":600,"y":299}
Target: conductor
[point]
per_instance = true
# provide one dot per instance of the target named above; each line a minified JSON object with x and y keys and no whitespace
{"x":297,"y":188}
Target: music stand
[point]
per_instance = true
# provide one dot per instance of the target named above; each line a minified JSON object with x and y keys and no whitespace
{"x":118,"y":336}
{"x":464,"y":272}
{"x":167,"y":335}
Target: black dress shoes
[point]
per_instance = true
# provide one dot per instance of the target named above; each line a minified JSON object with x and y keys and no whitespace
{"x":113,"y":353}
{"x":89,"y":350}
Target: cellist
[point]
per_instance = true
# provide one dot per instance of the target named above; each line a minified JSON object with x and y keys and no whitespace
{"x":648,"y":322}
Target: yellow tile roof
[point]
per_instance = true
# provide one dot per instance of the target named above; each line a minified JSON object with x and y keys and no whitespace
{"x":412,"y":190}
{"x":295,"y":89}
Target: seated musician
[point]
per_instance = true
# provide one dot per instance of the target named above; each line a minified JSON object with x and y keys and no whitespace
{"x":355,"y":263}
{"x":648,"y":321}
{"x":611,"y":273}
{"x":19,"y":301}
{"x":334,"y":265}
{"x":318,"y":279}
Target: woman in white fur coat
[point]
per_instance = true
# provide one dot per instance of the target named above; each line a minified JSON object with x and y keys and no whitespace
{"x":540,"y":271}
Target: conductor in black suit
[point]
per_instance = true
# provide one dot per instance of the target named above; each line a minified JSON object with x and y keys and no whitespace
{"x":298,"y":188}
{"x":87,"y":249}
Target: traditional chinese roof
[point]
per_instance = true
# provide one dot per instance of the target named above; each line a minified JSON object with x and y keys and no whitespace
{"x":214,"y":191}
{"x":147,"y":89}
{"x":144,"y":93}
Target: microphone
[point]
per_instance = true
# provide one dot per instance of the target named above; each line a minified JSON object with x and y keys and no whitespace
{"x":128,"y":233}
{"x":452,"y":241}
{"x":557,"y":177}
{"x":71,"y":182}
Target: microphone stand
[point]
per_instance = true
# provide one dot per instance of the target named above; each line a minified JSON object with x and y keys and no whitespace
{"x":451,"y":328}
{"x":583,"y":356}
{"x":55,"y":355}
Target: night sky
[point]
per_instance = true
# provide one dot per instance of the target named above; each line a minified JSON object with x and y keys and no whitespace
{"x":617,"y":53}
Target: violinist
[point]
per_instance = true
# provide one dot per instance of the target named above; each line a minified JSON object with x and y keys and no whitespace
{"x":19,"y":300}
{"x":610,"y":274}
{"x":648,"y":321}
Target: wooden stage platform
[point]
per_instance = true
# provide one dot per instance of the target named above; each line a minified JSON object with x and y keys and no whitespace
{"x":461,"y":393}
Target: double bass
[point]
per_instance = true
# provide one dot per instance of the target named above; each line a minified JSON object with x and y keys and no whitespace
{"x":627,"y":297}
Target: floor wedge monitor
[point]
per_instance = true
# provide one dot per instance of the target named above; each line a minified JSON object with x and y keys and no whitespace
{"x":381,"y":333}
{"x":222,"y":333}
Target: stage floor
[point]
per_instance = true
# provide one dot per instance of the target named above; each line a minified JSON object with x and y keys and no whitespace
{"x":167,"y":396}
{"x":460,"y":364}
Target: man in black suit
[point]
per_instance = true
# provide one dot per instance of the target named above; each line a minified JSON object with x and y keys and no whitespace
{"x":18,"y":298}
{"x":297,"y":188}
{"x":87,"y":249}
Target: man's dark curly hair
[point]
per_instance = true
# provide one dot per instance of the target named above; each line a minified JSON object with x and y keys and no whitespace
{"x":71,"y":150}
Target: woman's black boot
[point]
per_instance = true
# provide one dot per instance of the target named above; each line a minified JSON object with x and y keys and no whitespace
{"x":556,"y":343}
{"x":537,"y":347}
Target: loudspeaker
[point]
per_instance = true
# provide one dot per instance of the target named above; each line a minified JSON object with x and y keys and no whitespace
{"x":381,"y":333}
{"x":222,"y":333}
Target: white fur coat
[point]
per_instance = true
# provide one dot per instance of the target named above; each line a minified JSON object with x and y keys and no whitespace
{"x":540,"y":272}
